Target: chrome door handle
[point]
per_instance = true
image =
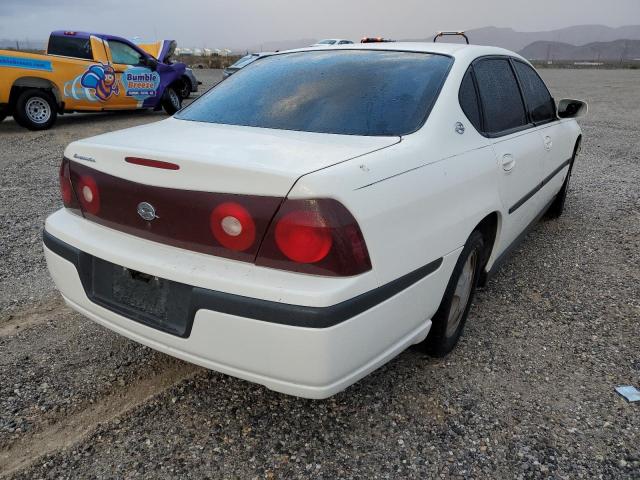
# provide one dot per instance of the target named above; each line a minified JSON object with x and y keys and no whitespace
{"x":508,"y":162}
{"x":548,"y":143}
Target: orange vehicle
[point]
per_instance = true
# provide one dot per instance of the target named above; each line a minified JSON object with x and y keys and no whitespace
{"x":85,"y":72}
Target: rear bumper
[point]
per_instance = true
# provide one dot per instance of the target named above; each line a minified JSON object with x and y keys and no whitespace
{"x":275,"y":344}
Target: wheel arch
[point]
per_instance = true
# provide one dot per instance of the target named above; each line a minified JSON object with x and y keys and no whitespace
{"x":24,"y":83}
{"x":489,"y":227}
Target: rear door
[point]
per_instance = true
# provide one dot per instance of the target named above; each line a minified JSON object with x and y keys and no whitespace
{"x":557,"y":143}
{"x":516,"y":144}
{"x":74,"y":58}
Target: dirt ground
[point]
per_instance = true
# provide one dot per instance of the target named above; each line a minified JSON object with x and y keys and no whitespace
{"x":528,"y":393}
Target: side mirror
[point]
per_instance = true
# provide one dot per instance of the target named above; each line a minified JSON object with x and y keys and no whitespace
{"x":568,"y":108}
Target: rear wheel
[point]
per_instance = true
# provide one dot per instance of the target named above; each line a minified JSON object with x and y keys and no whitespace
{"x":449,"y":320}
{"x":171,"y":101}
{"x":35,"y":109}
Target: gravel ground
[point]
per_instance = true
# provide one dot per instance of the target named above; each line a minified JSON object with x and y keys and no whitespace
{"x":528,"y":393}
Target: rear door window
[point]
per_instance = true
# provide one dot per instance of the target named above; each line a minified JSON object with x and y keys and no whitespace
{"x":502,"y":103}
{"x":70,"y":47}
{"x":541,"y":106}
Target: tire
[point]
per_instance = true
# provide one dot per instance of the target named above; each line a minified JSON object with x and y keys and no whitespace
{"x":36,"y":109}
{"x":450,"y":318}
{"x":185,"y":89}
{"x":171,"y":101}
{"x":557,"y":206}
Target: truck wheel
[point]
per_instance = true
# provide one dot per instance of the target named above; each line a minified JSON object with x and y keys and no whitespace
{"x":185,"y":89}
{"x":171,"y":101}
{"x":448,"y":322}
{"x":35,"y":109}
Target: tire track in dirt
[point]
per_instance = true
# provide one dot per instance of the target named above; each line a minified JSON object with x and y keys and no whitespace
{"x":70,"y":431}
{"x":16,"y":323}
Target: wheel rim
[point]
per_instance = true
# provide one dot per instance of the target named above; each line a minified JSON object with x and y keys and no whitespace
{"x":38,"y":110}
{"x":175,"y":100}
{"x":186,"y":90}
{"x":462,"y":293}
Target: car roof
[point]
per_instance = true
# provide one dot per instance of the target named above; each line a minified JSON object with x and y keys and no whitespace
{"x":456,"y":50}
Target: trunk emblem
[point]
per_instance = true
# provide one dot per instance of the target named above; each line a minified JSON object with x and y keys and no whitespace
{"x":147,"y":211}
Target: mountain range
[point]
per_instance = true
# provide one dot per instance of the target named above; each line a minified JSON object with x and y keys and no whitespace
{"x":580,"y":42}
{"x":577,"y":35}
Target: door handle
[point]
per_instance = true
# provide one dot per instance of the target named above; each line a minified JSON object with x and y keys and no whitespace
{"x":508,"y":162}
{"x":548,"y":143}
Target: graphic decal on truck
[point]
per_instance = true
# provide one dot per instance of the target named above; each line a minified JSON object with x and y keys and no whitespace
{"x":26,"y":63}
{"x":97,"y":84}
{"x":102,"y":79}
{"x":140,"y":83}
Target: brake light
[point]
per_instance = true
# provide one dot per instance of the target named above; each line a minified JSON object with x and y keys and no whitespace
{"x":146,"y":162}
{"x":315,"y":236}
{"x":232,"y":225}
{"x":303,"y":236}
{"x":89,"y":194}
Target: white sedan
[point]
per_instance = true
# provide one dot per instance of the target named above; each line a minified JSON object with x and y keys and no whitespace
{"x":317,"y":213}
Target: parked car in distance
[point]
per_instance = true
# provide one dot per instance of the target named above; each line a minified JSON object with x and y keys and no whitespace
{"x":332,"y":42}
{"x":243,"y":62}
{"x":163,"y":51}
{"x":298,"y":235}
{"x":84,"y":72}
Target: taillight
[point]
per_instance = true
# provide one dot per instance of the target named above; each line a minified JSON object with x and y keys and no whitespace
{"x":233,"y":226}
{"x":315,"y":236}
{"x":303,"y":236}
{"x":67,"y":193}
{"x":318,"y":237}
{"x":89,"y":194}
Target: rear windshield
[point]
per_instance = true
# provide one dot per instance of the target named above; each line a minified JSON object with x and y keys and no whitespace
{"x":70,"y":47}
{"x":246,"y":60}
{"x":349,"y":92}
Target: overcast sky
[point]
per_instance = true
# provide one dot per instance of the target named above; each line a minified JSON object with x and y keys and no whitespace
{"x":244,"y":23}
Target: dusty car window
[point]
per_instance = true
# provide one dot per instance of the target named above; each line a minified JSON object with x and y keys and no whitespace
{"x":351,"y":92}
{"x":469,"y":100}
{"x":539,"y":101}
{"x":500,"y":95}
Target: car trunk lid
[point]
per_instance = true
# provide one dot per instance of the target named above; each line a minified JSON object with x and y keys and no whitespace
{"x":220,"y":158}
{"x":244,"y":170}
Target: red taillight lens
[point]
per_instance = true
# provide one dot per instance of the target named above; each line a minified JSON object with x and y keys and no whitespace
{"x":303,"y":236}
{"x":66,"y":192}
{"x":232,"y":225}
{"x":89,"y":194}
{"x":320,"y":237}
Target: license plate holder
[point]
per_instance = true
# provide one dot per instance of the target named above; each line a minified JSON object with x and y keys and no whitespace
{"x":153,"y":301}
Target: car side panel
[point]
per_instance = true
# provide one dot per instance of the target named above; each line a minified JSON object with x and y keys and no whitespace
{"x":518,"y":184}
{"x":413,"y":217}
{"x":559,"y":139}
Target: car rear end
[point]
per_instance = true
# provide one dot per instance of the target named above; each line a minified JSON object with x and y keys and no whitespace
{"x":208,"y":241}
